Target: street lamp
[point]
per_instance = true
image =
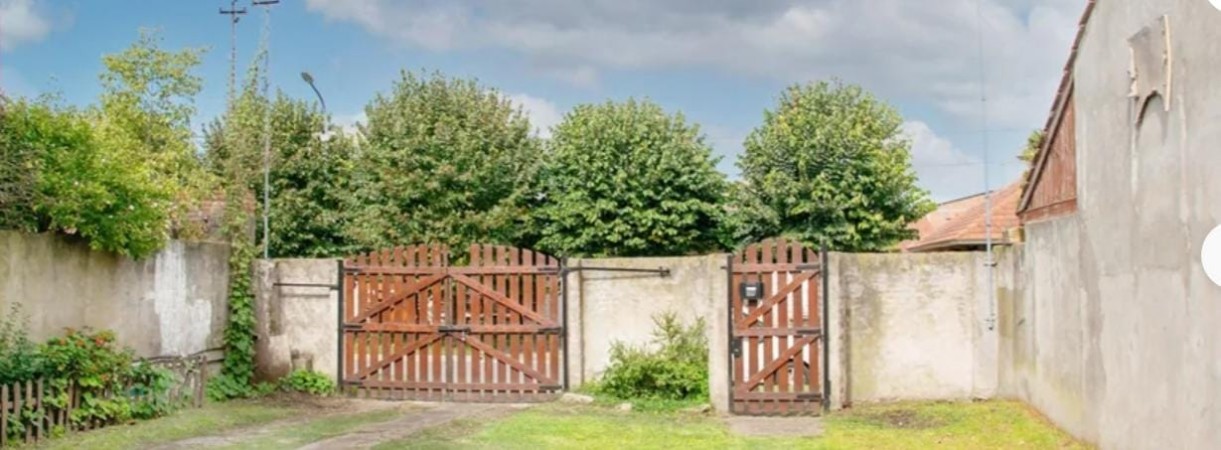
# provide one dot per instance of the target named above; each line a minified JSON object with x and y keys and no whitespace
{"x":325,"y":135}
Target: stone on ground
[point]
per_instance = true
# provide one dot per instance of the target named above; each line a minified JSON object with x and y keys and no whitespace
{"x":570,"y":397}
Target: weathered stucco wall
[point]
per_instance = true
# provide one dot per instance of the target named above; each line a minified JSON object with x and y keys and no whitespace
{"x":605,"y":307}
{"x":297,"y":326}
{"x":169,"y":304}
{"x":910,"y":326}
{"x":1112,"y":329}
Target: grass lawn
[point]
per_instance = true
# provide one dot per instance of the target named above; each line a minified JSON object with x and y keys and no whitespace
{"x":979,"y":425}
{"x":212,"y":418}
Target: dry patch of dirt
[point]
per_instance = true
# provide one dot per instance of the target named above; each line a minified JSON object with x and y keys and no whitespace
{"x":308,"y":409}
{"x":906,"y":419}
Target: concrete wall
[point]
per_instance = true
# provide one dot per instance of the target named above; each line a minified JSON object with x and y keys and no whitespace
{"x":910,"y":326}
{"x":605,"y":307}
{"x":171,"y":303}
{"x":904,"y":326}
{"x":1111,"y":328}
{"x":297,"y":326}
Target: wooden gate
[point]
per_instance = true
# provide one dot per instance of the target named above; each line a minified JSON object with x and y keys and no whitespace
{"x":776,"y":323}
{"x":416,"y":327}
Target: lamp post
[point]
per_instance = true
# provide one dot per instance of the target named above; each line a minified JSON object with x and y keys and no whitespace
{"x":325,"y":135}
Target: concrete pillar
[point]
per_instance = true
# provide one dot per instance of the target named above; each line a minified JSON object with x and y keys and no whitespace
{"x":574,"y":311}
{"x":718,"y":329}
{"x":836,"y":343}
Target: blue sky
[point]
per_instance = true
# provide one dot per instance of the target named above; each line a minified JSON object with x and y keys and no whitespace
{"x":720,"y":62}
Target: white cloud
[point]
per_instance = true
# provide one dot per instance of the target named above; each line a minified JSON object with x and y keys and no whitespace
{"x":944,"y":170}
{"x":21,"y":22}
{"x":543,"y":113}
{"x":906,"y":50}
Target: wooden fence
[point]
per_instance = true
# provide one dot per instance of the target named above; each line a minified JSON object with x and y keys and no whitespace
{"x":33,"y":411}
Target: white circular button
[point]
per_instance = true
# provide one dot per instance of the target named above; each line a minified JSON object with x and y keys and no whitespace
{"x":1210,"y":251}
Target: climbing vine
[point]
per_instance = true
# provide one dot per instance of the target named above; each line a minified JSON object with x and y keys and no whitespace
{"x":241,"y":121}
{"x":237,"y":371}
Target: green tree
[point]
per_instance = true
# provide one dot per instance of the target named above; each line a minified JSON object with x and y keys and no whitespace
{"x":309,"y":178}
{"x":830,"y":165}
{"x":19,"y":167}
{"x":628,"y":179}
{"x":442,"y":160}
{"x":145,"y":113}
{"x":78,"y":185}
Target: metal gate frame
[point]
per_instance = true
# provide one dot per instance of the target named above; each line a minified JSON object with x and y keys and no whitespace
{"x":776,"y":403}
{"x":523,"y":361}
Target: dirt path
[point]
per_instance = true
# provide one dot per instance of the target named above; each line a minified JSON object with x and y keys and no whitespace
{"x":413,"y":418}
{"x":323,"y":409}
{"x":411,"y":423}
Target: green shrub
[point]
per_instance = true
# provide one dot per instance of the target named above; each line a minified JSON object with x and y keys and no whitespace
{"x":98,"y":366}
{"x":148,"y":388}
{"x":674,"y":367}
{"x":308,"y":382}
{"x":20,"y":360}
{"x":112,"y":387}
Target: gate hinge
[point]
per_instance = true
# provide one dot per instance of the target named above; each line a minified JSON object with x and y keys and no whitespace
{"x":551,"y":330}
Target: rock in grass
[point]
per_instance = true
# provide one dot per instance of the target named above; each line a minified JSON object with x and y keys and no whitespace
{"x":625,"y":407}
{"x":575,"y":398}
{"x":698,"y":409}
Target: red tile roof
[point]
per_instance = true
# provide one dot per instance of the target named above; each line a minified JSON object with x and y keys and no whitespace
{"x":961,"y":222}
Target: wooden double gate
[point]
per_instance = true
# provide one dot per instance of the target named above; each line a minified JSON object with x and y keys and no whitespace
{"x":776,"y":327}
{"x":415,"y":326}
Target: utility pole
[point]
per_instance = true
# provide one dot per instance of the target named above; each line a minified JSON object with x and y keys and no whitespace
{"x":235,"y":15}
{"x":266,"y":38}
{"x":983,"y":133}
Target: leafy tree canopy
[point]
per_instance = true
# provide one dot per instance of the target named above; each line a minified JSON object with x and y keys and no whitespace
{"x":77,"y":184}
{"x":442,"y":160}
{"x":120,"y":174}
{"x":628,"y":179}
{"x":829,"y":165}
{"x":309,"y":178}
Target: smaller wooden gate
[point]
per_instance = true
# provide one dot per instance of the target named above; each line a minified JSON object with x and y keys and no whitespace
{"x":416,"y":327}
{"x":776,"y":339}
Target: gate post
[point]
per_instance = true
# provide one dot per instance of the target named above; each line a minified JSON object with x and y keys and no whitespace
{"x":730,"y":317}
{"x":824,"y":311}
{"x":339,"y":287}
{"x":564,"y":319}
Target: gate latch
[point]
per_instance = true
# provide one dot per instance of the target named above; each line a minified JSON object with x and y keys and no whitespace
{"x":454,"y":328}
{"x":735,"y":347}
